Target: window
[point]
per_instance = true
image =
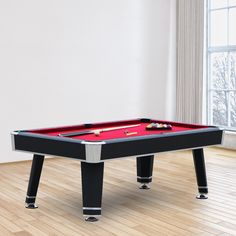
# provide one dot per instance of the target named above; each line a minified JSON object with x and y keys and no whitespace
{"x":221,"y":63}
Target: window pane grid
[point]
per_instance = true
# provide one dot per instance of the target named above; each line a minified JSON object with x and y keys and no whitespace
{"x":227,"y":90}
{"x":221,"y":8}
{"x":222,"y":49}
{"x":221,"y":4}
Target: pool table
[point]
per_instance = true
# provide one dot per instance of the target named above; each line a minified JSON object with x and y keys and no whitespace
{"x":115,"y":139}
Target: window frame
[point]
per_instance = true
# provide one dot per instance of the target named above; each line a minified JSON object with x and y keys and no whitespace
{"x":209,"y":51}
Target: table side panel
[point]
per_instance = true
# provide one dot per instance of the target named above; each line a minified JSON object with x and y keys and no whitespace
{"x":49,"y":146}
{"x":161,"y":144}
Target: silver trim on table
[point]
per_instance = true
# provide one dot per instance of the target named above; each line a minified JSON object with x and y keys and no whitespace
{"x":93,"y":151}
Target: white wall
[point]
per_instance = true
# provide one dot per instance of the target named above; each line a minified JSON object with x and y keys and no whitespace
{"x":159,"y":59}
{"x":66,"y":62}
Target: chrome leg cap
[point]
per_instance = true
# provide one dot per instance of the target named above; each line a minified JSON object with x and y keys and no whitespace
{"x":91,"y":219}
{"x":202,"y":196}
{"x":31,"y":205}
{"x":144,"y":186}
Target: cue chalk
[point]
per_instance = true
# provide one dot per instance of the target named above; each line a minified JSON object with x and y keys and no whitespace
{"x":130,"y":133}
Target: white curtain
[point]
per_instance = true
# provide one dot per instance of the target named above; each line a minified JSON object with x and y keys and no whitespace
{"x":190,"y":46}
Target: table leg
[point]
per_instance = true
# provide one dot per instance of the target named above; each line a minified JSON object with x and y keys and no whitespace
{"x":200,"y":169}
{"x":92,"y":182}
{"x":144,"y":171}
{"x":35,"y":174}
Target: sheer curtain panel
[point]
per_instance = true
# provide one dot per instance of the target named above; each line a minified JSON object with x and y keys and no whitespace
{"x":190,"y":51}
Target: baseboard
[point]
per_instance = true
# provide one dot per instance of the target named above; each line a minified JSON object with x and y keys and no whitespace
{"x":229,"y":140}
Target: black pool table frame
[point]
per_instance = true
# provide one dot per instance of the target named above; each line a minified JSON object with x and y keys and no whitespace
{"x":93,"y":154}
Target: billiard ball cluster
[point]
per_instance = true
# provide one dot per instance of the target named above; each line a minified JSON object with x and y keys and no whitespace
{"x":158,"y":126}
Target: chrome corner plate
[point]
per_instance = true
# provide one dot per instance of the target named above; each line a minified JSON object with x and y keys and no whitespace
{"x":93,"y":151}
{"x":13,"y":140}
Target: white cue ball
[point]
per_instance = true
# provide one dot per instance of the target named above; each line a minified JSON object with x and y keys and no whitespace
{"x":97,"y":132}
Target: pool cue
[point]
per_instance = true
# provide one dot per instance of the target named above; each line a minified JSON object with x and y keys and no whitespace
{"x":96,"y":131}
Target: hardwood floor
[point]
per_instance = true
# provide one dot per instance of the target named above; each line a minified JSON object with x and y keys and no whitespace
{"x":168,"y":208}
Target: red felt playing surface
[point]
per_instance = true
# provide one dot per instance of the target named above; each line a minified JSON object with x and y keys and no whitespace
{"x":115,"y":134}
